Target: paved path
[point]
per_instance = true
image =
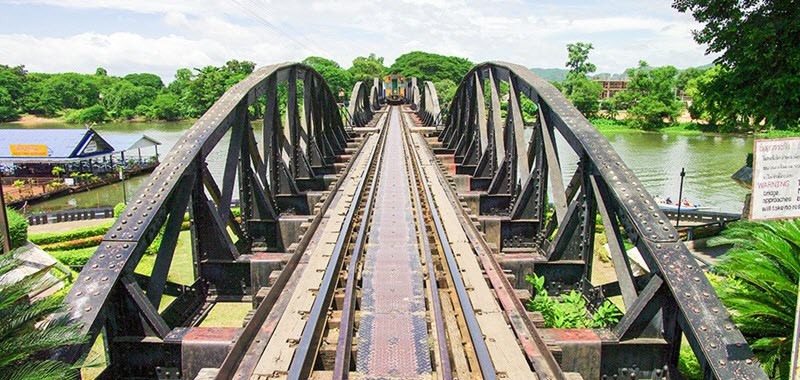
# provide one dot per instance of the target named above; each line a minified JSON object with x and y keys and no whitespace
{"x":66,"y":226}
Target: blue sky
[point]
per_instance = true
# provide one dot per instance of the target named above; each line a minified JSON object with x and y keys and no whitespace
{"x":127,"y":36}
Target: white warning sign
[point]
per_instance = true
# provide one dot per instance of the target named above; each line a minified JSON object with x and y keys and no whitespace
{"x":776,"y":179}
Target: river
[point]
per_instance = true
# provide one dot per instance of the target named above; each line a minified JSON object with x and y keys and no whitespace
{"x":655,"y":158}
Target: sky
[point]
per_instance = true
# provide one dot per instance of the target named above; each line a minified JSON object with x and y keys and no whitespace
{"x":161,"y":36}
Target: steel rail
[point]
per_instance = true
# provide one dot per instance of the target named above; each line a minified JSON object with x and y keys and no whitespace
{"x":341,"y":367}
{"x":441,"y":336}
{"x":304,"y":355}
{"x":481,"y":350}
{"x":543,"y":361}
{"x":233,"y":360}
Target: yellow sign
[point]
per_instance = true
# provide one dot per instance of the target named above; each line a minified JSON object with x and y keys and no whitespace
{"x":28,"y":150}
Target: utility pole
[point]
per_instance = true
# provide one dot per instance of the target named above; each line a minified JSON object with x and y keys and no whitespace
{"x":124,"y":190}
{"x":4,"y":234}
{"x":680,"y":198}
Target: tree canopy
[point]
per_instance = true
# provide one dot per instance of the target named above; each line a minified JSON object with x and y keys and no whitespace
{"x":580,"y":90}
{"x":338,"y":79}
{"x":366,"y":68}
{"x":757,"y":43}
{"x":650,"y":97}
{"x":431,"y":67}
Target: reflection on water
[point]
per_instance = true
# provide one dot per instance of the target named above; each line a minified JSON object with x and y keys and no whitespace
{"x":655,"y":158}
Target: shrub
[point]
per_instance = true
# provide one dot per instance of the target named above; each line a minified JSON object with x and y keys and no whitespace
{"x":118,"y":209}
{"x":78,"y":233}
{"x":93,"y":114}
{"x":759,"y":287}
{"x":92,"y":241}
{"x":570,"y":311}
{"x":17,"y":228}
{"x":74,"y":257}
{"x":33,"y":329}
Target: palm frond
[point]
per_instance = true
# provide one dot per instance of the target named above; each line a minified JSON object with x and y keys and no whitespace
{"x":760,"y":287}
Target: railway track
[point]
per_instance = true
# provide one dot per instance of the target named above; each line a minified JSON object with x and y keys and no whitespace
{"x":389,"y":285}
{"x":380,"y":248}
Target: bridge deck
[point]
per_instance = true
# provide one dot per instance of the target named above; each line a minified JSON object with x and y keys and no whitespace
{"x":277,"y":355}
{"x":507,"y":356}
{"x":393,"y":335}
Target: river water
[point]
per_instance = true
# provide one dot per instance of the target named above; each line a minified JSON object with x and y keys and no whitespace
{"x":655,"y":158}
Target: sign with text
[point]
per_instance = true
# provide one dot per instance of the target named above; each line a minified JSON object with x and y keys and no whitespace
{"x":776,"y":179}
{"x":28,"y":150}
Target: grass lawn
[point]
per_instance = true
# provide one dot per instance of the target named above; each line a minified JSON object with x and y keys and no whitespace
{"x":227,"y":314}
{"x":681,"y":128}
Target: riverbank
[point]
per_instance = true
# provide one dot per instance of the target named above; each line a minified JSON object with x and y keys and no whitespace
{"x":34,"y":121}
{"x":685,"y":128}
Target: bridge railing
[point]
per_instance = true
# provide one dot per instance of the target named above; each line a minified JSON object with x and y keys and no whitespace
{"x":273,"y":173}
{"x":516,"y":166}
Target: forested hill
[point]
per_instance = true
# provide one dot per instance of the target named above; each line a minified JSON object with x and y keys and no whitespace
{"x":551,"y":75}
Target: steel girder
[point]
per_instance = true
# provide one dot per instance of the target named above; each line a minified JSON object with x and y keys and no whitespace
{"x":298,"y":147}
{"x":517,"y":175}
{"x":424,"y":101}
{"x":360,"y":108}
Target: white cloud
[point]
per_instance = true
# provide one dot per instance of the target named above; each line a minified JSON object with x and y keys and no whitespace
{"x":201,"y":32}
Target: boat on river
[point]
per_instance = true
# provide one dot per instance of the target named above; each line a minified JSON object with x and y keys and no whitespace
{"x":668,"y":205}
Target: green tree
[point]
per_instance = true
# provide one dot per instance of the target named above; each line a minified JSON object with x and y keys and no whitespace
{"x":73,"y":90}
{"x":8,"y":107}
{"x":581,"y":91}
{"x":336,"y":77}
{"x":578,"y":64}
{"x":122,"y":95}
{"x":650,"y":96}
{"x":40,"y":98}
{"x":432,"y":67}
{"x":366,"y":68}
{"x":683,"y":78}
{"x":101,"y":72}
{"x":446,"y":90}
{"x":32,"y":330}
{"x":145,"y":79}
{"x":12,"y":83}
{"x":586,"y":96}
{"x":166,"y":106}
{"x":757,"y":43}
{"x":93,"y":114}
{"x":760,"y":289}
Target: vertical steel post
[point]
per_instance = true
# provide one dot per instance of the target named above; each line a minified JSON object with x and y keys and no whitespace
{"x":680,"y":198}
{"x":4,"y":233}
{"x":124,"y":190}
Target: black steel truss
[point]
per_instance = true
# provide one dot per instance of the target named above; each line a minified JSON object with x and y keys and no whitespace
{"x":520,"y":177}
{"x":303,"y":135}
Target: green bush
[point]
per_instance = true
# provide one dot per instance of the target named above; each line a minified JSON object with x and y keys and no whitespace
{"x":74,"y":257}
{"x":17,"y":228}
{"x":118,"y":209}
{"x":93,"y":114}
{"x":92,"y":241}
{"x":570,"y":311}
{"x":78,"y":233}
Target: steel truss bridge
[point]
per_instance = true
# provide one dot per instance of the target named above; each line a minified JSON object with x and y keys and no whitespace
{"x":393,"y":242}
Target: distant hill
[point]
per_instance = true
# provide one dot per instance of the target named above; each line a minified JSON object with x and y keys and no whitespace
{"x":559,"y":75}
{"x":551,"y":75}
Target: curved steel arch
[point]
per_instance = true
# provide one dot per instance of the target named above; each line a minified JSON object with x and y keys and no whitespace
{"x":297,"y":152}
{"x":518,"y":175}
{"x":360,"y":107}
{"x":429,"y":110}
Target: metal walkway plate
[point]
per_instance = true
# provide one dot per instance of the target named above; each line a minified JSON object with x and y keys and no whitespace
{"x":393,"y":337}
